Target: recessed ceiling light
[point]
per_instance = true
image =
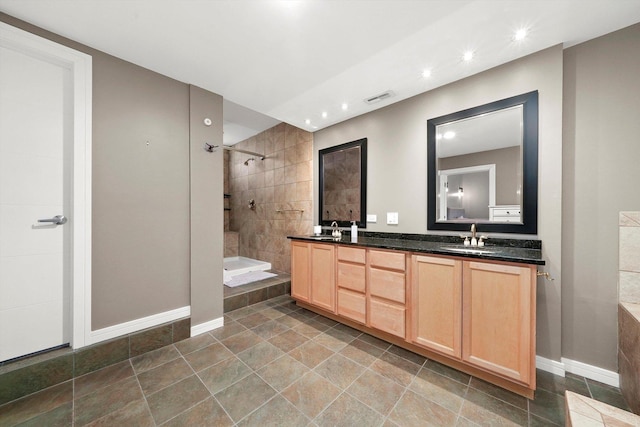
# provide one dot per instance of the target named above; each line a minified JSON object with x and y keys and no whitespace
{"x":345,"y":106}
{"x":468,"y":55}
{"x":307,"y":122}
{"x":521,"y":34}
{"x":426,"y":74}
{"x":324,"y":114}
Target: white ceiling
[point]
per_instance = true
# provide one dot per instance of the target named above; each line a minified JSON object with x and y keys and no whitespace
{"x":484,"y":132}
{"x":293,"y":60}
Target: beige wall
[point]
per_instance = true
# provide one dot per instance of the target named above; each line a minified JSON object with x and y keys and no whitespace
{"x":141,"y":203}
{"x":601,"y":175}
{"x":282,"y":181}
{"x":397,"y":159}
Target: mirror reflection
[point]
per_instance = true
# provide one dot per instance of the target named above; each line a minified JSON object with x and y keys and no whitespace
{"x":483,"y":167}
{"x":342,"y":191}
{"x":479,"y":162}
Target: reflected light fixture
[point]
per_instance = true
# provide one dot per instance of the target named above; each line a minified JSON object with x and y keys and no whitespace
{"x":460,"y":192}
{"x":449,"y":134}
{"x":468,"y":56}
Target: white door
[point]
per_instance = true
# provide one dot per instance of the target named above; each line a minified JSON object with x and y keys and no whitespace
{"x":36,"y":143}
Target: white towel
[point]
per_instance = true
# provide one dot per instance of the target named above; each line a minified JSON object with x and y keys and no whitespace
{"x":243,"y":279}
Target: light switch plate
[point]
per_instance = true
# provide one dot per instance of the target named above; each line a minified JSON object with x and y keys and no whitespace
{"x":372,"y":218}
{"x":392,"y":218}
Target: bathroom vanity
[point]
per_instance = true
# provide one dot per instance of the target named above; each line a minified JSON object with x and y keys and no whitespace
{"x":473,"y":309}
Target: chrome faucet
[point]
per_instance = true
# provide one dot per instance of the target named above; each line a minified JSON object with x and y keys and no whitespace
{"x":473,"y":231}
{"x":335,"y":232}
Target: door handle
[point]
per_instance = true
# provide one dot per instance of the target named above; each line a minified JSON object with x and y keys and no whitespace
{"x":57,"y":220}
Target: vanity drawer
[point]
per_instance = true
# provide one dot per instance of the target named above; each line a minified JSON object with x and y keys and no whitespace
{"x":385,"y":259}
{"x":387,"y":284}
{"x":357,"y":255}
{"x":352,"y":305}
{"x":351,"y":276}
{"x":387,"y":317}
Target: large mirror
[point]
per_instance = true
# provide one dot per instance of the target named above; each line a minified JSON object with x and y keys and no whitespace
{"x":483,"y":167}
{"x":343,"y":184}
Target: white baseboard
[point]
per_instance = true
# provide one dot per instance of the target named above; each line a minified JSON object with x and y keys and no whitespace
{"x":137,"y":325}
{"x":578,"y":368}
{"x":548,"y":365}
{"x":207,"y":326}
{"x":592,"y":372}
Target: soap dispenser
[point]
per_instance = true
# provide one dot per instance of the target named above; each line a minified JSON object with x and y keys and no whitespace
{"x":354,"y":232}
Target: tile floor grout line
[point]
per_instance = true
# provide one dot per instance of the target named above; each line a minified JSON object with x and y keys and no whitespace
{"x":146,"y":402}
{"x":190,"y":407}
{"x":340,"y":343}
{"x":404,"y":392}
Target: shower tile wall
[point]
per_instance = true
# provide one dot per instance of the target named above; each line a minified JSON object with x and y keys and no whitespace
{"x":629,"y":309}
{"x":283,"y":181}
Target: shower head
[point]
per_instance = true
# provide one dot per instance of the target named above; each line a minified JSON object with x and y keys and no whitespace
{"x":246,"y":162}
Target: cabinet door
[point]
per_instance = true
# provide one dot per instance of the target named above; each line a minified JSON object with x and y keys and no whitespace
{"x":436,"y":293}
{"x":300,"y":270}
{"x":323,"y":280}
{"x":499,"y":319}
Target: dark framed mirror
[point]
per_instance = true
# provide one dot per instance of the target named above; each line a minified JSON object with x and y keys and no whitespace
{"x":483,"y":167}
{"x":343,"y":184}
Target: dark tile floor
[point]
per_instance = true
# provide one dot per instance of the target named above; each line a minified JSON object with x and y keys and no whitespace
{"x":274,"y":364}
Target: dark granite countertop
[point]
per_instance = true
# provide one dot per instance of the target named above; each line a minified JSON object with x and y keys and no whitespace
{"x":509,"y":250}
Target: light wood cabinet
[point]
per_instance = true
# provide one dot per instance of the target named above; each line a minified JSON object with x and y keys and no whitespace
{"x":371,"y":288}
{"x":476,"y":316}
{"x":387,"y":291}
{"x":352,"y":283}
{"x":300,"y":270}
{"x":480,"y":312}
{"x":313,"y":274}
{"x":323,"y":278}
{"x":499,"y":319}
{"x":436,"y":304}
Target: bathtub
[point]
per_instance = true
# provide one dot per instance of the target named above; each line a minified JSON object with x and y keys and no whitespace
{"x":238,"y":265}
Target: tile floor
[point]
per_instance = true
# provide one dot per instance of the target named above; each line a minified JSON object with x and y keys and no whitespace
{"x":274,"y":364}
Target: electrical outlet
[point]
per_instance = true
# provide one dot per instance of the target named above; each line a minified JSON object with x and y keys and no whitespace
{"x":392,"y":218}
{"x":372,"y":218}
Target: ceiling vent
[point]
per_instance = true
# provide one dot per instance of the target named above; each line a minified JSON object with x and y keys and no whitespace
{"x":380,"y":97}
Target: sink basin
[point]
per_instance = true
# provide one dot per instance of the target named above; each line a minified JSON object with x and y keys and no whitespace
{"x":475,"y":251}
{"x":324,"y":237}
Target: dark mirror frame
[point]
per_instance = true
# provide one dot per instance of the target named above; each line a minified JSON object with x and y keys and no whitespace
{"x":529,"y":210}
{"x":362,"y":143}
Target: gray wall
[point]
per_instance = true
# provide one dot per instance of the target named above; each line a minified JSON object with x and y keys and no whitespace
{"x":601,"y":175}
{"x":140,"y":259}
{"x":141,"y":192}
{"x":508,"y":163}
{"x":397,"y":158}
{"x":207,"y":222}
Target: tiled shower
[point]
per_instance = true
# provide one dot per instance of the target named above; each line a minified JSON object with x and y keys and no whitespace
{"x":629,"y":309}
{"x":281,"y":188}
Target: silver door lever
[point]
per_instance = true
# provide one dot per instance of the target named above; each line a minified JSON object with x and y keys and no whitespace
{"x":57,"y":220}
